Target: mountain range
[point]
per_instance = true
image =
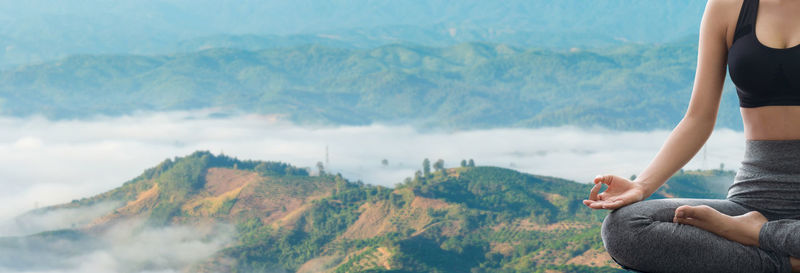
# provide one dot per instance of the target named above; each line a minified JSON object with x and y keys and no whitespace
{"x":36,"y":31}
{"x":466,"y":86}
{"x":281,"y":218}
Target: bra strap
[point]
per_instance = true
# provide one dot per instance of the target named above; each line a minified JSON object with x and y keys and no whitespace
{"x":747,"y":19}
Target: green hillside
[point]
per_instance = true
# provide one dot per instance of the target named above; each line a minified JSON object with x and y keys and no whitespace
{"x":697,"y":184}
{"x":465,"y":219}
{"x":466,"y":86}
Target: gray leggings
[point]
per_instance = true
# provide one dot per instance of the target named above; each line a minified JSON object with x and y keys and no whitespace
{"x":642,"y":236}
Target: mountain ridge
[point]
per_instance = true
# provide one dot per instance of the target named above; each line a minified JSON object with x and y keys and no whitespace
{"x":446,"y":219}
{"x":37,"y":31}
{"x":467,"y":86}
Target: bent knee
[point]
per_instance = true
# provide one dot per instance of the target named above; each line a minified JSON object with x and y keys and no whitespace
{"x":624,"y":219}
{"x":620,"y":229}
{"x":615,"y":229}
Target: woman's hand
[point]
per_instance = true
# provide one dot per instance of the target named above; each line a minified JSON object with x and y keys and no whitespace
{"x":620,"y":192}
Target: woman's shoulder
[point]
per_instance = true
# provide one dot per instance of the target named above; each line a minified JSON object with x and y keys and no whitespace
{"x":723,"y":14}
{"x":726,"y":4}
{"x":724,"y":9}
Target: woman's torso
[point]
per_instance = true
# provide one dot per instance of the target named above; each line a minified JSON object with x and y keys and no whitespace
{"x":771,"y":122}
{"x":777,"y":35}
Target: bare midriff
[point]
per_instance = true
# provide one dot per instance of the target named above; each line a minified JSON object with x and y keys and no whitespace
{"x":771,"y":122}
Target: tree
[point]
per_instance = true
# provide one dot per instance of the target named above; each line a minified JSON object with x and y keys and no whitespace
{"x":385,"y":162}
{"x":320,"y":168}
{"x":439,"y":165}
{"x":471,"y":163}
{"x":426,"y":167}
{"x":463,"y":163}
{"x":341,"y":183}
{"x":417,"y":176}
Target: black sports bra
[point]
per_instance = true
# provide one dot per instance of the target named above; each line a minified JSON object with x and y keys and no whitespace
{"x":763,"y":75}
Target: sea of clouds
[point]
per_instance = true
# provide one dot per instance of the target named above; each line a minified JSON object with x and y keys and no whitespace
{"x":46,"y":162}
{"x":126,"y":246}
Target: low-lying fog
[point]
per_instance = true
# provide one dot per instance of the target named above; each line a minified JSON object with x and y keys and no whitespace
{"x":47,"y":162}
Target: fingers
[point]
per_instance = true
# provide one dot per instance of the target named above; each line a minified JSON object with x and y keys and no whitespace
{"x":593,"y":204}
{"x":594,"y":191}
{"x":597,"y":200}
{"x":613,"y":204}
{"x":603,"y":204}
{"x":607,"y":179}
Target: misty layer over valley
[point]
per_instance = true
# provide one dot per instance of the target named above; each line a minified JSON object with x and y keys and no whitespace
{"x":117,"y":149}
{"x":126,"y":246}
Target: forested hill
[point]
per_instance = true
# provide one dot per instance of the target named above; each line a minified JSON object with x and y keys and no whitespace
{"x":463,"y":219}
{"x":466,"y":86}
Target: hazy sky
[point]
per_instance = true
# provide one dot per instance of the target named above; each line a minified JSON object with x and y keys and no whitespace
{"x":47,"y":162}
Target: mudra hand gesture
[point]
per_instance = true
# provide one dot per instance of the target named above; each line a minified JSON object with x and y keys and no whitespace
{"x":620,"y":192}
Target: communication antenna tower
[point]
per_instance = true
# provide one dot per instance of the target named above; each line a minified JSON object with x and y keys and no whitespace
{"x":705,"y":155}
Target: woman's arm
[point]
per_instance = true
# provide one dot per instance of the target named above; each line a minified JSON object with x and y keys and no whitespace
{"x":697,"y":124}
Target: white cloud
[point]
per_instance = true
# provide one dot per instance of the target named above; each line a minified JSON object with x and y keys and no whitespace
{"x":48,"y":162}
{"x":55,"y":219}
{"x":28,"y":143}
{"x":127,"y":246}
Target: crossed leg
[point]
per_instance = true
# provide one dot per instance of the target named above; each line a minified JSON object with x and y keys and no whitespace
{"x":643,"y":236}
{"x":745,"y":229}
